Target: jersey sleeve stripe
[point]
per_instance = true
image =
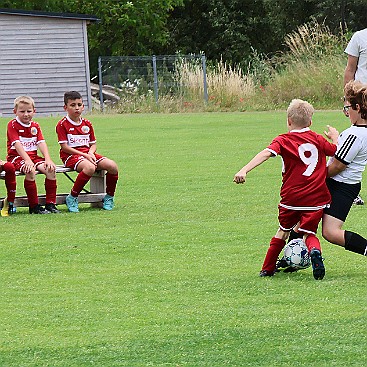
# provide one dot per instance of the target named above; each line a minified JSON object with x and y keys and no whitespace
{"x":345,"y":148}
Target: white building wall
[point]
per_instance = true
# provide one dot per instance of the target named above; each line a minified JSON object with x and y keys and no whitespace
{"x":42,"y":57}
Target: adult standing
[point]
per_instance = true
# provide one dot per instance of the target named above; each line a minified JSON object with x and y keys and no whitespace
{"x":356,"y":68}
{"x":356,"y":50}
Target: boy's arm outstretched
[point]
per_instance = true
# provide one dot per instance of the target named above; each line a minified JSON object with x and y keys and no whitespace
{"x":240,"y":176}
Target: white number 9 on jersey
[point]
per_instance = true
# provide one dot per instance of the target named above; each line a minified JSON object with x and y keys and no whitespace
{"x":309,"y":156}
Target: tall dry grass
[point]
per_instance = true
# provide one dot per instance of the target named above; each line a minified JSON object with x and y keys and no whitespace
{"x":313,"y":41}
{"x":227,"y":86}
{"x":312,"y":68}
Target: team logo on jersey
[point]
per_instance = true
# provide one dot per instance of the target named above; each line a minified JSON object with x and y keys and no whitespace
{"x":85,"y":129}
{"x":29,"y":144}
{"x":33,"y":130}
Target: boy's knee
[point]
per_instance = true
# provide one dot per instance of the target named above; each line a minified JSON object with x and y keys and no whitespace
{"x":114,"y":169}
{"x":89,"y":169}
{"x":30,"y":178}
{"x":51,"y":175}
{"x":9,"y":167}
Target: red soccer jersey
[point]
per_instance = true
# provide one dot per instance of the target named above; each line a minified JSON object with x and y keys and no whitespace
{"x":29,"y":135}
{"x":304,"y":168}
{"x":77,"y":135}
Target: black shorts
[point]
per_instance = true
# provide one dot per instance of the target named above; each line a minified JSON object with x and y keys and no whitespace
{"x":342,"y":197}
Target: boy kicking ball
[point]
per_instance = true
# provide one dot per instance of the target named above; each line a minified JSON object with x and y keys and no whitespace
{"x":78,"y":151}
{"x":304,"y":193}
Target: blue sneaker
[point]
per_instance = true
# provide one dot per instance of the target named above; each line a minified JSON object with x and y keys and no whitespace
{"x":108,"y":202}
{"x":72,"y":204}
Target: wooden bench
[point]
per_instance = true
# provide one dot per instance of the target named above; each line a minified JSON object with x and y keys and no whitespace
{"x":94,"y":195}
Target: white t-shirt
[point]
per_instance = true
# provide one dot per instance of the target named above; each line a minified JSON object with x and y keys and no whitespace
{"x":352,"y":151}
{"x":357,"y":47}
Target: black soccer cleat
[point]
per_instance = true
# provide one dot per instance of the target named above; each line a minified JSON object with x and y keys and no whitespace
{"x":317,"y":264}
{"x":12,"y":209}
{"x":282,"y":264}
{"x":38,"y":209}
{"x":51,"y":207}
{"x":265,"y":273}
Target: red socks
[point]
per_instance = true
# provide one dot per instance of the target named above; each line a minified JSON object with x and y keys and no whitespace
{"x":312,"y":242}
{"x":10,"y":181}
{"x":31,"y":191}
{"x":81,"y":180}
{"x":50,"y":187}
{"x":271,"y":257}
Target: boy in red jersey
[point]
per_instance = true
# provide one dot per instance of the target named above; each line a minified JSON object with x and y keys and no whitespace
{"x":11,"y":184}
{"x":78,"y":151}
{"x":304,"y":193}
{"x":24,"y":138}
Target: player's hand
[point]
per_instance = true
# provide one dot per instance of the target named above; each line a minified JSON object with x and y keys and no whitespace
{"x":50,"y":166}
{"x":91,"y":158}
{"x":94,"y":159}
{"x":240,"y":177}
{"x":28,"y":166}
{"x":331,"y":133}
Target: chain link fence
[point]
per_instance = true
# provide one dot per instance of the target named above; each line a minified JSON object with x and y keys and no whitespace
{"x":124,"y":77}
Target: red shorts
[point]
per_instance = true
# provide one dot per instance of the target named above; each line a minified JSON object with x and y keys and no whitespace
{"x":73,"y":160}
{"x":308,"y":220}
{"x":18,"y":161}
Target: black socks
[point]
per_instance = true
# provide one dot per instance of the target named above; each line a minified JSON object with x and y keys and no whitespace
{"x":355,"y":243}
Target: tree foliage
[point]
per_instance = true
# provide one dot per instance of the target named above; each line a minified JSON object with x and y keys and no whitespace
{"x":136,"y":27}
{"x":231,"y":30}
{"x":220,"y":28}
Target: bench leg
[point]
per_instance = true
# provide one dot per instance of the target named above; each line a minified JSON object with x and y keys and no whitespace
{"x":98,"y":185}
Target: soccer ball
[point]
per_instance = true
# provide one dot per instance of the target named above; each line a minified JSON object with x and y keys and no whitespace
{"x":296,"y":254}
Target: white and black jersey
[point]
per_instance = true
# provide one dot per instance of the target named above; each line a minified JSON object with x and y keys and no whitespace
{"x":352,"y":151}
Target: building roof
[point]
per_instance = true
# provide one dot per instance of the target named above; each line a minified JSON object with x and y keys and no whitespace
{"x":35,"y":13}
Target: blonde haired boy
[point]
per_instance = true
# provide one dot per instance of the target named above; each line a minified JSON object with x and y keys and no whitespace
{"x":24,"y":138}
{"x":304,"y":193}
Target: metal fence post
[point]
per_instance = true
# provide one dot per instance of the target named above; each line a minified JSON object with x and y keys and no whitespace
{"x":203,"y":60}
{"x":100,"y":83}
{"x":155,"y":78}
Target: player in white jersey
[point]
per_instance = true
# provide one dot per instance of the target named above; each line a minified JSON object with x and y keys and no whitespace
{"x":345,"y":171}
{"x":78,"y":151}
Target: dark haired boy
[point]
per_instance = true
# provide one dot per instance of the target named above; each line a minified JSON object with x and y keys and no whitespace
{"x":78,"y":151}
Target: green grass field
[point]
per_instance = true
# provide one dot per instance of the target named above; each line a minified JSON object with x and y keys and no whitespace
{"x":170,"y":276}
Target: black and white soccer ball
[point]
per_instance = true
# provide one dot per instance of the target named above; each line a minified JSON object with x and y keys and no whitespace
{"x":296,"y":254}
